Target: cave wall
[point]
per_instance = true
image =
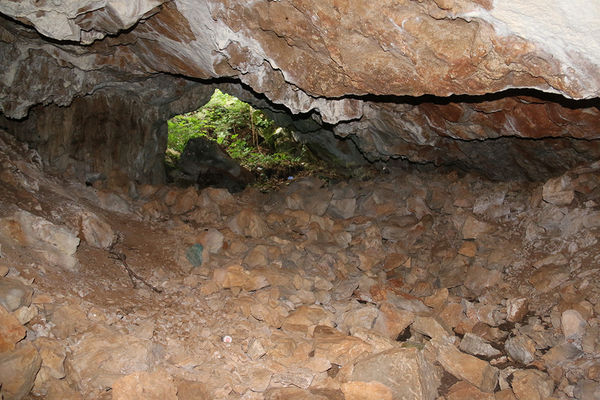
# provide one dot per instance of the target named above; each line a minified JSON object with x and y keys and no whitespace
{"x":508,"y":87}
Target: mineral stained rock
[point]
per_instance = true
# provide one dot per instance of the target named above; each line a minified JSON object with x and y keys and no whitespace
{"x":426,"y":81}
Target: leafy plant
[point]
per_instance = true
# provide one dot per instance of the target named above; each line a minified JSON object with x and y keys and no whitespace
{"x":244,"y":132}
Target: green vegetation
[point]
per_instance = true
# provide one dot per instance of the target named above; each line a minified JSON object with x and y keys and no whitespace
{"x":247,"y":135}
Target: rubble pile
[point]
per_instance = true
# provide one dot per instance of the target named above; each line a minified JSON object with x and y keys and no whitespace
{"x":411,"y":285}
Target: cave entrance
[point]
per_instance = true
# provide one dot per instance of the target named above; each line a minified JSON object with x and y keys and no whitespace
{"x":247,"y":135}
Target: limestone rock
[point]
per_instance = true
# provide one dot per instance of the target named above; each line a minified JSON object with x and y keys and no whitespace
{"x":11,"y":330}
{"x":357,"y":390}
{"x":466,"y":367}
{"x":404,"y":371}
{"x":101,"y":356}
{"x":18,"y":369}
{"x":573,"y":324}
{"x":291,"y":394}
{"x":558,"y":191}
{"x":432,"y":327}
{"x":248,"y":223}
{"x":235,"y":276}
{"x":516,"y":309}
{"x":336,"y":347}
{"x":53,"y":355}
{"x":158,"y":385}
{"x":474,"y":228}
{"x":96,"y":231}
{"x":464,"y":391}
{"x":14,"y":294}
{"x":55,"y":243}
{"x":205,"y":163}
{"x":520,"y":348}
{"x":530,"y":384}
{"x":212,"y":240}
{"x":475,"y":345}
{"x":185,"y":201}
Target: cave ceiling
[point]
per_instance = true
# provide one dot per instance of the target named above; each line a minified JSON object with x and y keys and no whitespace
{"x":475,"y":83}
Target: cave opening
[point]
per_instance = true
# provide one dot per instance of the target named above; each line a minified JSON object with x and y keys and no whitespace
{"x":229,"y":135}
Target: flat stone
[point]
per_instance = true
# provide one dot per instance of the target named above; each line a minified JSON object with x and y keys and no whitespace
{"x":292,"y":394}
{"x":466,"y":367}
{"x":549,"y":277}
{"x":354,"y":390}
{"x":475,"y":345}
{"x":298,"y":377}
{"x":18,"y":369}
{"x":142,"y":385}
{"x":465,"y":391}
{"x":336,"y":347}
{"x":474,"y":228}
{"x":11,"y":330}
{"x":235,"y":276}
{"x":432,"y":327}
{"x":392,"y":321}
{"x":405,"y":371}
{"x":190,"y":390}
{"x":530,"y":384}
{"x":14,"y":294}
{"x":521,"y":349}
{"x":305,"y":316}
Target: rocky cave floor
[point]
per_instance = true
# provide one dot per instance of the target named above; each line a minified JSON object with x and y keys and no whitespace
{"x":411,"y":285}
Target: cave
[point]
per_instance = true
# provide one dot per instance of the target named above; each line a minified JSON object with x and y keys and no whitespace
{"x":453,"y":254}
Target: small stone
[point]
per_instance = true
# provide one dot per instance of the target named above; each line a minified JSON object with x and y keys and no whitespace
{"x":298,"y":377}
{"x":18,"y":369}
{"x":336,"y":347}
{"x":521,"y":349}
{"x":573,"y":324}
{"x":432,"y":327}
{"x":143,"y":385}
{"x":190,"y":390}
{"x":475,"y":345}
{"x":531,"y":384}
{"x":466,"y":367}
{"x":255,"y":350}
{"x":248,"y":223}
{"x":558,"y":191}
{"x":185,"y":201}
{"x":305,"y":316}
{"x":465,"y":391}
{"x":342,"y":208}
{"x":356,"y":390}
{"x":69,"y":320}
{"x":505,"y":394}
{"x":11,"y":331}
{"x":362,"y":317}
{"x":53,"y":356}
{"x":468,"y":249}
{"x":212,"y":240}
{"x":473,"y":228}
{"x":291,"y":394}
{"x":260,"y":378}
{"x":235,"y":276}
{"x":516,"y":309}
{"x":391,"y":321}
{"x":14,"y":294}
{"x":479,"y":278}
{"x":95,"y":231}
{"x":549,"y":277}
